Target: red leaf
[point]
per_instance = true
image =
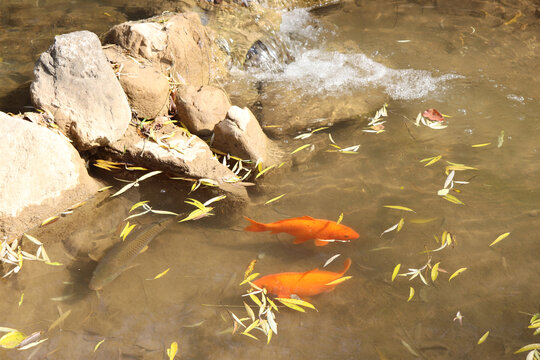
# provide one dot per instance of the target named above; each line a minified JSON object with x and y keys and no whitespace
{"x":433,"y":115}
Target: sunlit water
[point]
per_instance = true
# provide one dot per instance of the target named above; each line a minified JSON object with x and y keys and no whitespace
{"x":486,"y":86}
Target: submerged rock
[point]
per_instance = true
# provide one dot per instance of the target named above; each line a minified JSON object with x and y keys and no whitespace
{"x":42,"y":175}
{"x":178,"y":43}
{"x":76,"y":84}
{"x":200,"y":109}
{"x":240,"y":134}
{"x":146,"y":87}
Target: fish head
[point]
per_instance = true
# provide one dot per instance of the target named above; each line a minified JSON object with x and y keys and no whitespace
{"x":101,"y":278}
{"x":345,"y":233}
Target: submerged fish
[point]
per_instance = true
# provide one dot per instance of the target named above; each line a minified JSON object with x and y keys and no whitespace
{"x":305,"y":228}
{"x":120,"y":256}
{"x":302,"y":284}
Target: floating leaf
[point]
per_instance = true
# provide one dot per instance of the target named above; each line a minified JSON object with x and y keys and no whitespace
{"x":33,"y":239}
{"x":396,"y":271}
{"x":274,"y":199}
{"x":264,"y":171}
{"x":433,"y":115}
{"x":398,"y":207}
{"x":161,"y":274}
{"x":124,"y":189}
{"x":499,"y":238}
{"x":340,"y":219}
{"x":300,"y":148}
{"x":528,"y":348}
{"x":411,"y":293}
{"x":449,"y":178}
{"x":12,"y":339}
{"x":391,"y":228}
{"x":409,"y":348}
{"x":250,"y":267}
{"x":330,"y":260}
{"x":480,"y":145}
{"x":400,"y":224}
{"x":21,"y":299}
{"x":338,"y":281}
{"x":435,"y":272}
{"x":139,"y":204}
{"x":286,"y":301}
{"x":249,"y":278}
{"x":293,"y":306}
{"x":24,"y":345}
{"x":453,"y":199}
{"x":98,"y":345}
{"x":171,"y":352}
{"x":432,"y":160}
{"x":456,"y":273}
{"x":214,"y":199}
{"x":127,"y":229}
{"x":105,"y":188}
{"x":249,"y":335}
{"x":49,"y":220}
{"x":249,"y":311}
{"x":54,"y":263}
{"x":150,"y":174}
{"x":443,"y":192}
{"x":500,"y":140}
{"x":255,"y":300}
{"x":483,"y":338}
{"x":252,"y":326}
{"x":422,"y":221}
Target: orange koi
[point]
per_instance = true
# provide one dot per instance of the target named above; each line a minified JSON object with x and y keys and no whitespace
{"x":305,"y":228}
{"x":302,"y":284}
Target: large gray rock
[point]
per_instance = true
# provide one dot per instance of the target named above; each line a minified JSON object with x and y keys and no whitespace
{"x":178,"y":43}
{"x":146,"y":87}
{"x":76,"y":84}
{"x":240,"y":134}
{"x":201,"y":108}
{"x":42,"y":175}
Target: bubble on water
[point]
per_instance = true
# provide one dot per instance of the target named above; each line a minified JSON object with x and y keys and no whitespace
{"x":468,"y":131}
{"x":517,"y":98}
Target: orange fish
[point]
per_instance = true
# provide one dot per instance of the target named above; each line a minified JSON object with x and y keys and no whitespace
{"x":305,"y":228}
{"x":302,"y":284}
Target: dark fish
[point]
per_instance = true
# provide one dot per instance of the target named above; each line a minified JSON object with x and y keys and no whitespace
{"x":120,"y":256}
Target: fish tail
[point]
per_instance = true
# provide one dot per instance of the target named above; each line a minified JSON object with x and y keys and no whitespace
{"x":255,"y":226}
{"x":348,"y":263}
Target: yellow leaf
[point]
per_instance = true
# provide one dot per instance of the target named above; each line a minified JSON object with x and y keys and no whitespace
{"x":274,"y":199}
{"x":501,"y":237}
{"x":249,"y":278}
{"x":528,"y":348}
{"x":411,"y":293}
{"x":49,"y":220}
{"x":171,"y":352}
{"x":400,"y":224}
{"x":98,"y":345}
{"x":435,"y":272}
{"x":294,"y":307}
{"x":131,"y":168}
{"x":249,"y":311}
{"x":21,"y":300}
{"x":250,"y":267}
{"x":139,"y":204}
{"x":398,"y":207}
{"x":269,"y":337}
{"x":456,"y":273}
{"x":127,"y":229}
{"x":422,"y":221}
{"x":272,"y":304}
{"x":433,"y":160}
{"x":338,"y":281}
{"x":251,"y":327}
{"x":104,"y":188}
{"x":251,"y":336}
{"x":161,"y":274}
{"x":480,"y":145}
{"x":340,"y":219}
{"x":483,"y":338}
{"x":296,"y":302}
{"x":264,"y":171}
{"x":301,"y":148}
{"x":54,"y":263}
{"x":12,"y":339}
{"x":396,"y":271}
{"x":453,"y":199}
{"x":255,"y":300}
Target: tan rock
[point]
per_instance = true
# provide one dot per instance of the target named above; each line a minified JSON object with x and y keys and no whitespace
{"x":146,"y":87}
{"x":200,"y":109}
{"x":240,"y":134}
{"x":178,"y":43}
{"x":42,"y":175}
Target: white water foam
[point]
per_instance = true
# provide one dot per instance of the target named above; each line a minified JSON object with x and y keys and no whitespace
{"x":322,"y":72}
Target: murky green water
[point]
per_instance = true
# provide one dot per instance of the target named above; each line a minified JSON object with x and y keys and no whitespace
{"x":367,"y":317}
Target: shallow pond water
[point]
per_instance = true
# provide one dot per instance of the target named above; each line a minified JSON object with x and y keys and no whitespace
{"x":479,"y":71}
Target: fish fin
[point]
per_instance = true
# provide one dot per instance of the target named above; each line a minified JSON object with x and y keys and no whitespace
{"x":255,"y":226}
{"x":321,"y":242}
{"x":299,"y":240}
{"x":305,"y":217}
{"x":348,"y":263}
